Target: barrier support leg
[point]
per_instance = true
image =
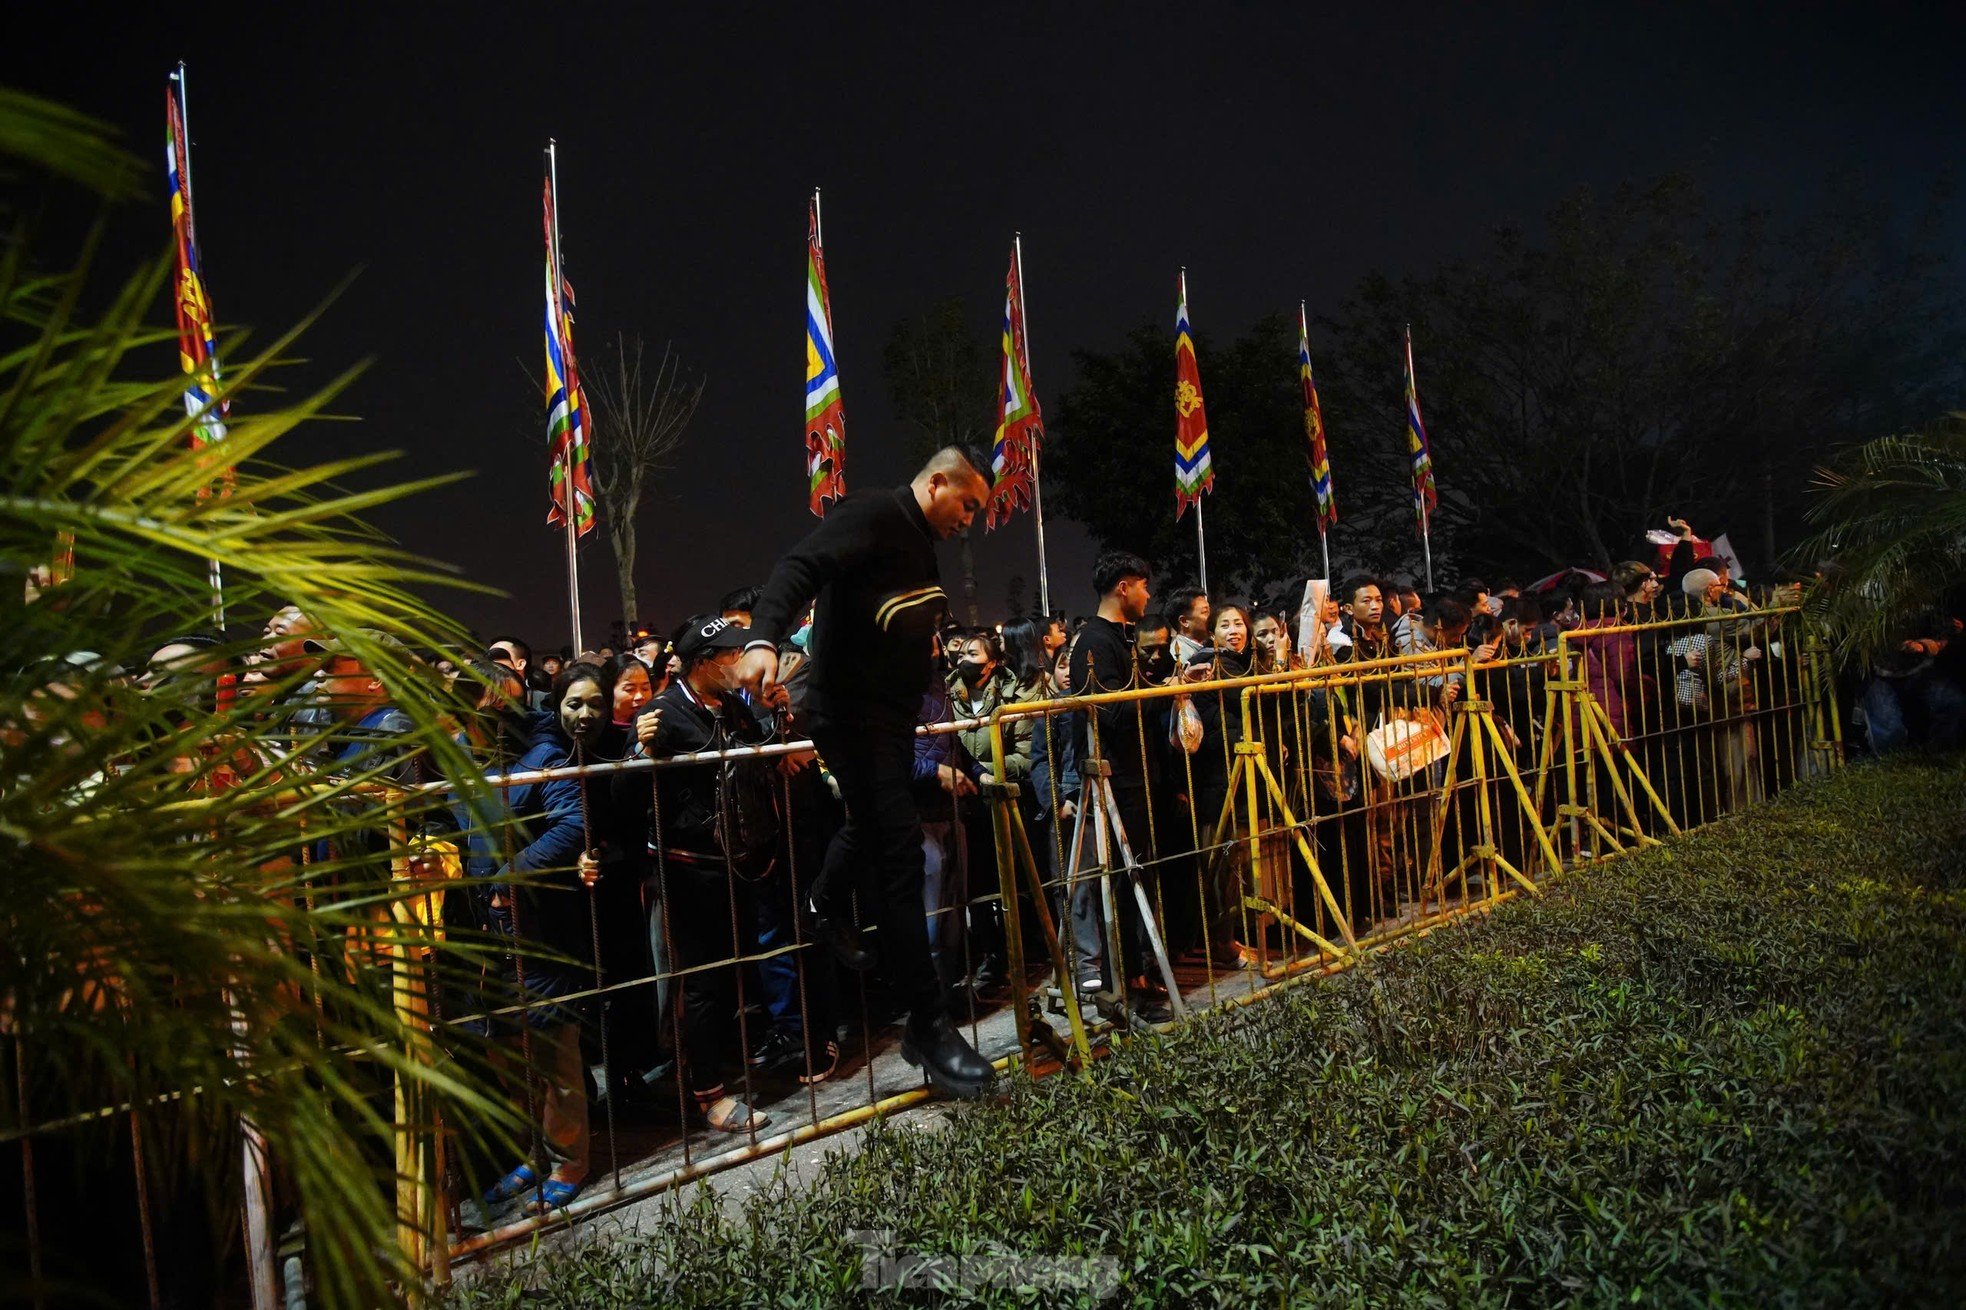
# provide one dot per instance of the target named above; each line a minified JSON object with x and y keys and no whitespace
{"x":1522,"y":794}
{"x":1129,"y":870}
{"x":1597,"y":728}
{"x":1432,"y":877}
{"x":1261,"y":766}
{"x":1014,"y":855}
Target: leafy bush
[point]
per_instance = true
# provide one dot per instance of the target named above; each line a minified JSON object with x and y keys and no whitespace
{"x":1726,"y":1071}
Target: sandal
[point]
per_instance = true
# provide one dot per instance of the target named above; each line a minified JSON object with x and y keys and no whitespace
{"x":552,"y":1195}
{"x":824,"y":1064}
{"x":521,"y":1179}
{"x":727,"y":1114}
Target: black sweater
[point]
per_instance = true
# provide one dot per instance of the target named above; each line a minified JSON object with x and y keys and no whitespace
{"x":871,"y":567}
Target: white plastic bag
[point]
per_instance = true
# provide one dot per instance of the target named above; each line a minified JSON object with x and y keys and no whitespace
{"x":1399,"y":748}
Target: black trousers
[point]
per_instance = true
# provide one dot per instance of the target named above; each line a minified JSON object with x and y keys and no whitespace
{"x":634,"y":1016}
{"x":702,"y":903}
{"x":878,"y":852}
{"x":1135,"y":945}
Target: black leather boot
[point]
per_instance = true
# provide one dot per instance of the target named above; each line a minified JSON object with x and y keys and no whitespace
{"x":951,"y":1063}
{"x":843,"y":940}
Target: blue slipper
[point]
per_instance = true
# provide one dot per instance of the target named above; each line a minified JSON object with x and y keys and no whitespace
{"x":519,"y":1180}
{"x":552,"y":1195}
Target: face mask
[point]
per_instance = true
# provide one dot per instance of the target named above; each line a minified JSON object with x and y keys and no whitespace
{"x":802,"y":636}
{"x":970,"y":671}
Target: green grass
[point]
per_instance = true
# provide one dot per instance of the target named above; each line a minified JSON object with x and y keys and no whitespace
{"x":1725,"y":1072}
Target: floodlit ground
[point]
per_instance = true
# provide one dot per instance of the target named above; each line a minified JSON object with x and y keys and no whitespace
{"x":1728,"y":1071}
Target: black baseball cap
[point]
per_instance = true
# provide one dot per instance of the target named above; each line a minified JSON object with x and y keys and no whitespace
{"x":708,"y":633}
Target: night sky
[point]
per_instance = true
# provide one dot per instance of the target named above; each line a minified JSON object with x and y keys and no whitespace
{"x":1278,"y":152}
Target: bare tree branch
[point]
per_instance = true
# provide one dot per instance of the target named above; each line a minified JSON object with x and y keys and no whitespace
{"x":640,"y":416}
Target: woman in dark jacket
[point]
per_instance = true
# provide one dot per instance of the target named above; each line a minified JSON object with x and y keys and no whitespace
{"x":545,"y":909}
{"x":1221,"y":720}
{"x":633,"y":1018}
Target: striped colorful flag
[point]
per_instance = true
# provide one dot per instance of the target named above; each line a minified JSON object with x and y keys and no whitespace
{"x":197,"y":341}
{"x":1327,"y":501}
{"x":567,"y":413}
{"x":1020,"y":428}
{"x":1424,"y":499}
{"x":825,"y":411}
{"x":1193,"y":473}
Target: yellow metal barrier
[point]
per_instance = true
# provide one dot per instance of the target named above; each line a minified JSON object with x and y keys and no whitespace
{"x":1296,"y":824}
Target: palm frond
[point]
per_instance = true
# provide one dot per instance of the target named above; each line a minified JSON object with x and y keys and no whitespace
{"x":58,"y":140}
{"x":204,"y":926}
{"x":1891,"y":519}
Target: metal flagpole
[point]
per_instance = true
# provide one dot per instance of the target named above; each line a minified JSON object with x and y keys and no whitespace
{"x":1037,"y":482}
{"x":1426,"y":544}
{"x":1419,"y":492}
{"x":213,"y":569}
{"x":1201,"y":545}
{"x":1323,"y":541}
{"x":252,"y":1142}
{"x":1201,"y":542}
{"x":569,"y":501}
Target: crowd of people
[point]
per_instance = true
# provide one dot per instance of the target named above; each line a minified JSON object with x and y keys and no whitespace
{"x":699,"y":920}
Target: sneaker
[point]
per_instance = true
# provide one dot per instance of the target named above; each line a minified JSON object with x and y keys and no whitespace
{"x":990,"y":976}
{"x":779,"y":1050}
{"x":960,"y":1000}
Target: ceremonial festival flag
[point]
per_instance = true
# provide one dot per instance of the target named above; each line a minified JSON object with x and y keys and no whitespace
{"x":825,"y":411}
{"x":567,"y":414}
{"x":1019,"y":425}
{"x":197,"y":342}
{"x":1193,"y":473}
{"x":1424,"y":499}
{"x":1327,"y":501}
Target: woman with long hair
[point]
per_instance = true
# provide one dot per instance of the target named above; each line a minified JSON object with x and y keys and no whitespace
{"x":633,"y":688}
{"x":627,"y":894}
{"x":1228,"y":656}
{"x":1269,"y":636}
{"x":1024,"y":653}
{"x":548,"y":921}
